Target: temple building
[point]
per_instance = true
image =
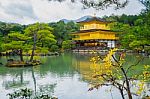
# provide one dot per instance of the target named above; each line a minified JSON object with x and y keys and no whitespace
{"x":94,"y":33}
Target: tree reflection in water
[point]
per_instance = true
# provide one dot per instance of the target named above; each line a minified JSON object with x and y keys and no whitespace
{"x":47,"y":89}
{"x":16,"y":82}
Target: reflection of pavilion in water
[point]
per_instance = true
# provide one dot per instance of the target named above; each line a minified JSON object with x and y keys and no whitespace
{"x":86,"y":70}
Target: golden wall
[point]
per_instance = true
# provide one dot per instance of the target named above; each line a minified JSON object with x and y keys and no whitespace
{"x":94,"y":25}
{"x":95,"y":35}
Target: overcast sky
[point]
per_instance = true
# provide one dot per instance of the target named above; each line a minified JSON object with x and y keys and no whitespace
{"x":30,"y":11}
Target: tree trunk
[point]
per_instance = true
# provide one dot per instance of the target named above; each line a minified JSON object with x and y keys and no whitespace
{"x":143,"y":50}
{"x":21,"y":76}
{"x":59,"y":42}
{"x":128,"y":89}
{"x":121,"y":92}
{"x":34,"y":80}
{"x":34,"y":47}
{"x":127,"y":84}
{"x":21,"y":56}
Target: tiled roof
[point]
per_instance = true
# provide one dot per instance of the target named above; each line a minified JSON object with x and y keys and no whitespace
{"x":92,"y":30}
{"x":93,"y":19}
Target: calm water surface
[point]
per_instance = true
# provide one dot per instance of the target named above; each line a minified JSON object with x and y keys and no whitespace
{"x":67,"y":76}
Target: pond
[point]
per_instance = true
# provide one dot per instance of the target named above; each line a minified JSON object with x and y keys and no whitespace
{"x":67,"y":76}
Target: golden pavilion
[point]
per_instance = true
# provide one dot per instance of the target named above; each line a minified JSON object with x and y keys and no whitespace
{"x":94,"y":33}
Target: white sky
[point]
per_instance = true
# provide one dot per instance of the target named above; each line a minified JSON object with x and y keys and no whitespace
{"x":30,"y":11}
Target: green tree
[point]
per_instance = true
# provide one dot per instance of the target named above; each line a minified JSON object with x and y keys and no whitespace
{"x":45,"y":38}
{"x":124,"y":32}
{"x":59,"y":32}
{"x":67,"y":44}
{"x":1,"y":43}
{"x":6,"y":28}
{"x":62,"y":31}
{"x":54,"y":48}
{"x":135,"y":36}
{"x":126,"y":19}
{"x":15,"y":41}
{"x":134,"y":29}
{"x":41,"y":36}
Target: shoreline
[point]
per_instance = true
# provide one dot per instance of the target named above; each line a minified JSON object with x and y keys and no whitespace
{"x":41,"y":54}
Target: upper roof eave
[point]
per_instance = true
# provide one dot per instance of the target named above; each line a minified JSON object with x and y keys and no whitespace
{"x":93,"y":19}
{"x":92,"y":30}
